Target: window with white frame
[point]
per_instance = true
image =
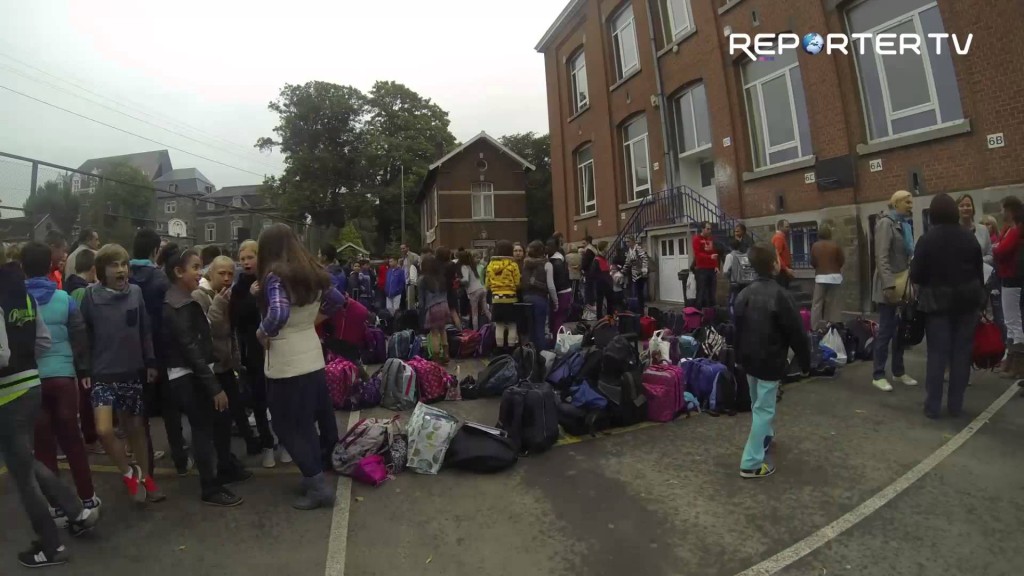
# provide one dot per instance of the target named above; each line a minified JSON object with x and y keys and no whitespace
{"x":907,"y":92}
{"x":211,"y":231}
{"x":638,"y":172}
{"x":585,"y":180}
{"x":624,"y":43}
{"x":482,"y":194}
{"x":267,"y":223}
{"x":692,"y":125}
{"x":170,"y":207}
{"x":172,"y":187}
{"x":776,"y":110}
{"x":677,"y":18}
{"x":236,"y":225}
{"x":578,"y":82}
{"x":211,"y":206}
{"x":208,"y":189}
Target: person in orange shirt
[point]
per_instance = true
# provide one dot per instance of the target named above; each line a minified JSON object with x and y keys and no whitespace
{"x":781,"y":243}
{"x":58,"y":252}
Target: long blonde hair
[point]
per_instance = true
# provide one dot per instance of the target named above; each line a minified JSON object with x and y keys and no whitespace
{"x":250,"y":245}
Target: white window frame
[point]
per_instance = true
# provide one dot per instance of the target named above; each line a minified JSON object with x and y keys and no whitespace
{"x":208,"y":189}
{"x":628,"y":148}
{"x":211,"y":206}
{"x":628,"y":25}
{"x":587,"y":205}
{"x":677,"y":107}
{"x":172,"y":187}
{"x":171,"y":207}
{"x":210,"y":231}
{"x":433,"y":215}
{"x":669,"y":16}
{"x":482,"y":195}
{"x":578,"y":70}
{"x":235,"y":226}
{"x":769,"y":149}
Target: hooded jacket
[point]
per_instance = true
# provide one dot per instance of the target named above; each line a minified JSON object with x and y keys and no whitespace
{"x":395,"y":282}
{"x":154,"y":284}
{"x":74,"y":282}
{"x":187,"y":339}
{"x":120,"y":334}
{"x":225,"y":348}
{"x":503,"y":278}
{"x":69,"y":340}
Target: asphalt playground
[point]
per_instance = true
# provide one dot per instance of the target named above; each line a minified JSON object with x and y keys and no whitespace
{"x":866,"y":485}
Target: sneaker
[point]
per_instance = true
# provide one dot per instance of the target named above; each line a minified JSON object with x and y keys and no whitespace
{"x":62,"y":456}
{"x":132,"y":483}
{"x":95,"y":448}
{"x":906,"y":380}
{"x":762,"y":472}
{"x":189,"y":465}
{"x":285,"y":457}
{"x":882,"y":384}
{"x":153,"y":492}
{"x":60,"y":518}
{"x":36,"y":558}
{"x":234,"y":476}
{"x":85,"y":522}
{"x":268,"y":460}
{"x":223,"y":497}
{"x":93,"y":503}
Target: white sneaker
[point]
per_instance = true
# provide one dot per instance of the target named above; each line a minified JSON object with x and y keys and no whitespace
{"x":268,"y":458}
{"x":906,"y":380}
{"x":285,"y":457}
{"x":882,"y":384}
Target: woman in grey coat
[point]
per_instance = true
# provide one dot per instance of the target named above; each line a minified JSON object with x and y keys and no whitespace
{"x":894,"y":247}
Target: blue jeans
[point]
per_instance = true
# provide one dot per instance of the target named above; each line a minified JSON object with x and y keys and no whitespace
{"x":762,"y":402}
{"x":539,"y":320}
{"x":887,"y":325}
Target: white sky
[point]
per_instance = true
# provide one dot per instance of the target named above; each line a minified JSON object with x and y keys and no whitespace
{"x":215,"y":64}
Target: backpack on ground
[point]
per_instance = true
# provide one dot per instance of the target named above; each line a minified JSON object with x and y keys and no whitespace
{"x":702,"y":379}
{"x":648,"y":326}
{"x":862,"y":334}
{"x":341,"y":376}
{"x":580,"y":422}
{"x":431,"y":431}
{"x":529,"y":413}
{"x":366,"y":437}
{"x":628,"y":323}
{"x":481,"y":449}
{"x":675,"y":321}
{"x":664,"y":386}
{"x":693,"y":319}
{"x":498,"y":375}
{"x":619,"y":356}
{"x":468,"y":344}
{"x":711,"y":342}
{"x":603,"y":332}
{"x":988,"y":349}
{"x":564,"y":373}
{"x":431,"y":380}
{"x":529,"y":363}
{"x":488,"y":340}
{"x":403,"y":344}
{"x":365,"y":393}
{"x":627,"y":404}
{"x":375,"y":346}
{"x":398,"y":385}
{"x":734,"y":397}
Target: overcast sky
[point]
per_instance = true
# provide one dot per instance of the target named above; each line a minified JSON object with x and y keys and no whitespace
{"x":215,"y":64}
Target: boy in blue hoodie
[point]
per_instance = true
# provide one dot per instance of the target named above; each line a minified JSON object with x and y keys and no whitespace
{"x":394,"y":287}
{"x":58,"y":421}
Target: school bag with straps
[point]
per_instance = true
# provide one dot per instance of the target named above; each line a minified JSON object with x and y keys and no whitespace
{"x":481,"y":449}
{"x":403,"y":345}
{"x":467,"y":344}
{"x":565,"y":371}
{"x":529,"y":363}
{"x":619,"y":356}
{"x":375,"y":346}
{"x":365,"y":392}
{"x":488,"y":340}
{"x":498,"y":375}
{"x":627,"y":404}
{"x":702,"y":379}
{"x":366,"y":437}
{"x":988,"y":349}
{"x":398,"y":385}
{"x":529,"y":413}
{"x":341,"y":376}
{"x":742,"y":272}
{"x":431,"y":380}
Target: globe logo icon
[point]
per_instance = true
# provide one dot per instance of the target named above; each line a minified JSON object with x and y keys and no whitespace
{"x":813,"y":43}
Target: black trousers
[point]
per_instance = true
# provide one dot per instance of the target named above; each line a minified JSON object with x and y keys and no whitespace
{"x":211,"y":430}
{"x":257,"y":384}
{"x":706,"y":287}
{"x":236,"y":406}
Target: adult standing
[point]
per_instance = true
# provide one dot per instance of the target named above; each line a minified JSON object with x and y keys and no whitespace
{"x":781,"y":242}
{"x":1006,"y":255}
{"x":538,"y":287}
{"x":947,"y":268}
{"x":563,"y":285}
{"x":574,"y":260}
{"x":965,"y":207}
{"x":739,"y":232}
{"x":894,"y":247}
{"x":638,"y":264}
{"x":828,"y":259}
{"x":410,"y":262}
{"x":587,"y":255}
{"x":88,"y":239}
{"x":706,"y":266}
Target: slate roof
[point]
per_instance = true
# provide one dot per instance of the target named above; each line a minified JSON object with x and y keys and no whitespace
{"x":153,"y":164}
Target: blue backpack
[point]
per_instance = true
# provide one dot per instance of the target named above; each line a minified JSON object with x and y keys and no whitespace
{"x":564,"y":371}
{"x":586,"y":398}
{"x":702,"y":378}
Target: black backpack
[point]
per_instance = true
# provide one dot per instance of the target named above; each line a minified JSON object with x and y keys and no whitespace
{"x":529,"y":363}
{"x":498,"y":375}
{"x":580,"y":422}
{"x":529,"y":413}
{"x":627,"y":404}
{"x":482,"y":449}
{"x":619,"y":356}
{"x":862,"y":339}
{"x":603,"y":333}
{"x":732,"y":388}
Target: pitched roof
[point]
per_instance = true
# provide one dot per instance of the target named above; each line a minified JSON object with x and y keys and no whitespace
{"x":493,"y":142}
{"x":568,"y":12}
{"x":183,"y":174}
{"x":153,"y":164}
{"x":232,"y":191}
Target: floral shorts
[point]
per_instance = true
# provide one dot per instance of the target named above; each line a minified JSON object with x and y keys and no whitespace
{"x":121,"y":396}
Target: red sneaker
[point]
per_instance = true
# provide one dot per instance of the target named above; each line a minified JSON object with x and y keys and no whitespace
{"x":153,"y":492}
{"x":132,"y":484}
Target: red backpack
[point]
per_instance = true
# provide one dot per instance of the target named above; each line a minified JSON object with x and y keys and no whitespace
{"x":431,"y":379}
{"x":988,"y":348}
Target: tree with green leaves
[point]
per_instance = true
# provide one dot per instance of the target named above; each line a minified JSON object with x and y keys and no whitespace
{"x":54,"y":197}
{"x":536,"y":149}
{"x":123,"y":197}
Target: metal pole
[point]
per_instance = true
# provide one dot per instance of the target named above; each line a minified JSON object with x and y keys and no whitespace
{"x":403,"y":202}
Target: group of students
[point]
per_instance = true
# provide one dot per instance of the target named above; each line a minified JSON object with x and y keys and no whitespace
{"x":163,"y":329}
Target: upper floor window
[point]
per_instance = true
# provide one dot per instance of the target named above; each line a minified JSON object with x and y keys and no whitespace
{"x":578,"y":82}
{"x":624,"y":43}
{"x":693,"y":129}
{"x":211,"y":206}
{"x":585,"y":180}
{"x":907,"y":92}
{"x":638,"y":173}
{"x":208,"y":189}
{"x":76,"y":183}
{"x":236,"y":201}
{"x":776,"y":110}
{"x":236,"y":225}
{"x":483,"y":200}
{"x":211,"y":231}
{"x":172,"y":187}
{"x":677,"y":18}
{"x":170,"y":207}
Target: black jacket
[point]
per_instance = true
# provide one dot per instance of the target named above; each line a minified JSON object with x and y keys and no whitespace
{"x":768,"y":324}
{"x":947,"y":266}
{"x":74,"y":282}
{"x":244,"y":310}
{"x":186,"y":337}
{"x":154,"y":284}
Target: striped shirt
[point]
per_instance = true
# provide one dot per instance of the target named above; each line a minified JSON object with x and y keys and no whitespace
{"x":279,"y":305}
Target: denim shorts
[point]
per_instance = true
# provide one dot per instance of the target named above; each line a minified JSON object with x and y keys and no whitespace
{"x":121,"y":396}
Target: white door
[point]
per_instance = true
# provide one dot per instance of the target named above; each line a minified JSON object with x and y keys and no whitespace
{"x":707,"y":181}
{"x":672,"y":257}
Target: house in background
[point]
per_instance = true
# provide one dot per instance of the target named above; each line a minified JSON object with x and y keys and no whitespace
{"x":25,"y":229}
{"x":175,"y":203}
{"x":474,"y":196}
{"x":153,"y":164}
{"x":224,"y":217}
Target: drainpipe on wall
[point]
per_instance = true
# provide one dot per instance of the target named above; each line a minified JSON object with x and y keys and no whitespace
{"x":662,"y":112}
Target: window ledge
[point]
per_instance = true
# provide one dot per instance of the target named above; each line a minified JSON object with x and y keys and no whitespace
{"x":624,"y":80}
{"x":945,"y":131}
{"x":677,"y":41}
{"x":632,"y":204}
{"x":780,"y":168}
{"x":586,"y":216}
{"x":578,"y":114}
{"x":732,"y":4}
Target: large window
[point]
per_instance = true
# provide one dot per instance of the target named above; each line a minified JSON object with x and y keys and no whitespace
{"x":624,"y":43}
{"x":693,"y":128}
{"x":210,"y":231}
{"x":638,"y":173}
{"x":677,"y":18}
{"x":585,"y":180}
{"x":578,"y":82}
{"x":907,"y":92}
{"x":776,"y":110}
{"x":236,"y":225}
{"x":483,"y":200}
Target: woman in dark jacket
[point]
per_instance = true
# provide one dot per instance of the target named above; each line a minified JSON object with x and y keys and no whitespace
{"x":947,"y":268}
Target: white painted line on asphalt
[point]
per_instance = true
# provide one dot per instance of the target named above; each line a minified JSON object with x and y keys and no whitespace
{"x":337,"y":546}
{"x":851,"y":518}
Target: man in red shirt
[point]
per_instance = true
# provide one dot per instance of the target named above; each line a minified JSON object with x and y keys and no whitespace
{"x":706,"y":266}
{"x":58,"y":252}
{"x":781,"y":243}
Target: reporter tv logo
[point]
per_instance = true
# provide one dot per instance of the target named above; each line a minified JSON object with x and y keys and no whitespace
{"x":766,"y":46}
